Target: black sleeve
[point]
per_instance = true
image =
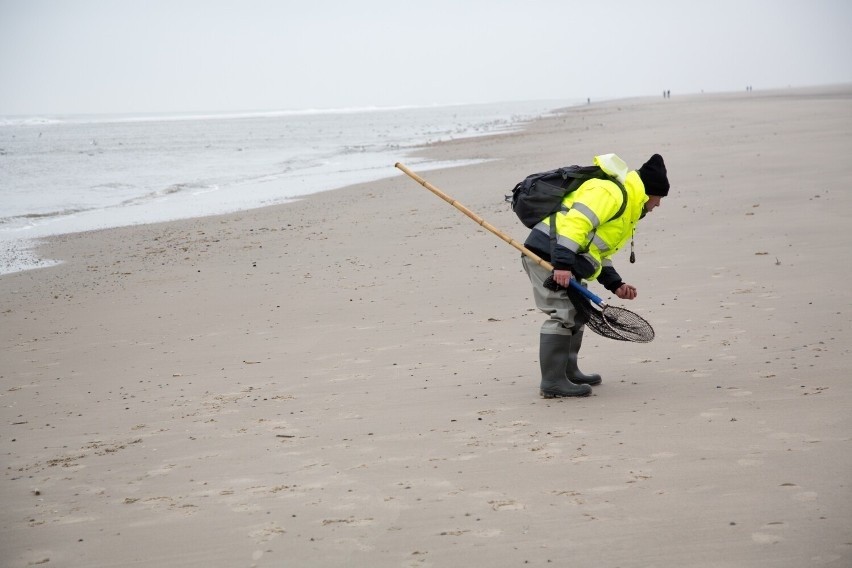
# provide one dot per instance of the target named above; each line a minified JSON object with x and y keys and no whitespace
{"x":578,"y":264}
{"x":561,"y":257}
{"x":610,"y":279}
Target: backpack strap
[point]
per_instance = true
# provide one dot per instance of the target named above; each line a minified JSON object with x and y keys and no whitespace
{"x":618,"y":214}
{"x":621,"y":209}
{"x":552,"y":235}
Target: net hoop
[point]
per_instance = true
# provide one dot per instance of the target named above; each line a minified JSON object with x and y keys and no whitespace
{"x":612,"y":322}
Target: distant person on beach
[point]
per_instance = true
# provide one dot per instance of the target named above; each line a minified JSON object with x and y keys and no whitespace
{"x":588,"y":232}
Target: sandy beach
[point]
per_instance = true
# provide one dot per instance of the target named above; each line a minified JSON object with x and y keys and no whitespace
{"x":352,"y":379}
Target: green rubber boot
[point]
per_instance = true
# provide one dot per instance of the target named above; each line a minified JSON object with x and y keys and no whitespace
{"x":574,"y":374}
{"x":553,"y":355}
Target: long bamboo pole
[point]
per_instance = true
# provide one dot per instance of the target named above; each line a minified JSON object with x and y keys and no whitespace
{"x":479,"y":220}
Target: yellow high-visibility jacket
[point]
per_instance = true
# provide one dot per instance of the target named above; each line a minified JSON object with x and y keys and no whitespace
{"x":586,"y":234}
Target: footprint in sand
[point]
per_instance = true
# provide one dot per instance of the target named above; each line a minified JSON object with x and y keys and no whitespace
{"x":659,"y":455}
{"x":350,"y":521}
{"x":737,"y":392}
{"x":266,"y":533}
{"x":806,"y":496}
{"x":608,"y":488}
{"x":765,"y":538}
{"x":507,"y":505}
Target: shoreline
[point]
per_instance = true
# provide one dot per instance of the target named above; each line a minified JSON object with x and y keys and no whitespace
{"x":351,"y":379}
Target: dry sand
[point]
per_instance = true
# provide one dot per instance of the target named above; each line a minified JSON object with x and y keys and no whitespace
{"x":351,"y":380}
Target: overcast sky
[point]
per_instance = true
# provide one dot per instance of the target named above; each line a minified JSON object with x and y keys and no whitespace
{"x":128,"y":56}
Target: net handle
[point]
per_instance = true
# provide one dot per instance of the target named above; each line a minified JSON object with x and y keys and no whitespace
{"x":587,"y":293}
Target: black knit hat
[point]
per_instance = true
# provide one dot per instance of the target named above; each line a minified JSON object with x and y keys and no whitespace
{"x":653,"y":174}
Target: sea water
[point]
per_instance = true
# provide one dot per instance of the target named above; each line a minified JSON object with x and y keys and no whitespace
{"x":76,"y":173}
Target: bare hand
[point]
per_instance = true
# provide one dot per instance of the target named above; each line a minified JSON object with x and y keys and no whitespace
{"x":626,"y":292}
{"x":562,"y":277}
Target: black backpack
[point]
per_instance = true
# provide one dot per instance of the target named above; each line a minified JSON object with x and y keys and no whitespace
{"x":541,"y":195}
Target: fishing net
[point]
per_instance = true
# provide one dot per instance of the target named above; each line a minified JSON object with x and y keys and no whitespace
{"x":611,"y":322}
